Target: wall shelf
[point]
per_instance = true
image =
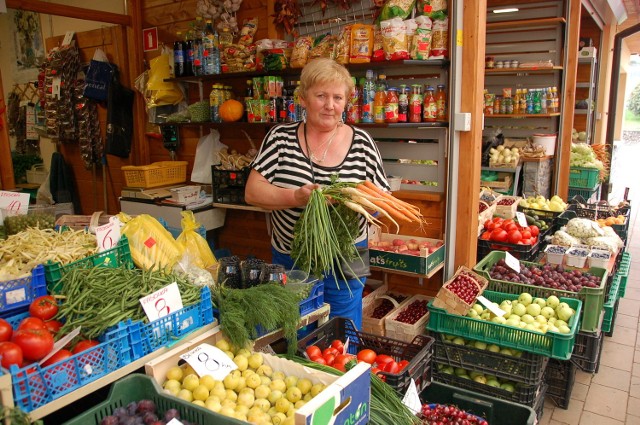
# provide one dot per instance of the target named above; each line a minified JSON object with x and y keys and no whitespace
{"x":541,"y":70}
{"x":519,"y":116}
{"x":541,"y":22}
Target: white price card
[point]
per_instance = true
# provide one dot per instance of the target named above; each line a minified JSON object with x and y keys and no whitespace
{"x":13,"y":203}
{"x":491,"y":306}
{"x":411,"y":398}
{"x":522,"y":219}
{"x":107,"y":235}
{"x":162,"y":302}
{"x":67,"y":38}
{"x":597,"y":228}
{"x":512,"y":262}
{"x":345,"y":347}
{"x":61,"y":343}
{"x":174,"y":421}
{"x":207,"y":359}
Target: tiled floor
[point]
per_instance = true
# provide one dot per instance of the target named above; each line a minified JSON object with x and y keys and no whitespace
{"x":612,"y":396}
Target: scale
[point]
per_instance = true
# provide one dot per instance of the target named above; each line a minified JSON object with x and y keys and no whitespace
{"x":170,"y":139}
{"x":151,"y":193}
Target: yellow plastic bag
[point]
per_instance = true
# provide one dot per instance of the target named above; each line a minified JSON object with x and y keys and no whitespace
{"x":162,"y":92}
{"x":195,"y":246}
{"x":152,"y":246}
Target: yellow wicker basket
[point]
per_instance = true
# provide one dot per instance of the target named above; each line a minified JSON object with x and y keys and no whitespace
{"x":161,"y":173}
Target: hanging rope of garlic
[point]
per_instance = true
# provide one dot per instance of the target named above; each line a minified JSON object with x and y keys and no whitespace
{"x":224,"y":11}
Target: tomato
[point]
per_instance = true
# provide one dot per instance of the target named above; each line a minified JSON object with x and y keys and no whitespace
{"x":11,"y":353}
{"x":383,"y":359}
{"x":53,"y":326}
{"x":313,"y":351}
{"x":57,"y":357}
{"x":392,"y":367}
{"x":402,"y":364}
{"x":319,"y":359}
{"x":486,"y":235}
{"x":489,"y":225}
{"x":44,"y":307}
{"x":329,"y":359}
{"x":367,"y":355}
{"x":510,"y":227}
{"x":506,"y":223}
{"x":525,"y":242}
{"x":84,"y":345}
{"x":498,"y":220}
{"x":5,"y":330}
{"x":35,"y":343}
{"x":31,"y":323}
{"x":329,"y":350}
{"x":499,"y":235}
{"x":515,"y":236}
{"x":535,"y":231}
{"x":526,"y":234}
{"x":338,"y":345}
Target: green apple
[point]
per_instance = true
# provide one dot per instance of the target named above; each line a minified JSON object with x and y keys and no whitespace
{"x":544,"y":328}
{"x":565,"y":313}
{"x":505,"y":303}
{"x":481,"y":379}
{"x":540,"y":301}
{"x":486,"y":316}
{"x":533,"y":309}
{"x":525,"y":298}
{"x":547,"y":312}
{"x":458,"y":341}
{"x":530,"y":327}
{"x":464,"y":376}
{"x":552,"y":319}
{"x":527,"y":319}
{"x":448,"y":337}
{"x":474,"y":374}
{"x":519,"y":309}
{"x":553,"y":301}
{"x":473,"y":314}
{"x":559,"y":323}
{"x":522,"y":324}
{"x":448,"y":370}
{"x":480,"y":345}
{"x":541,"y":319}
{"x":494,"y":348}
{"x":552,"y":328}
{"x":493,"y":383}
{"x":478,"y":308}
{"x":561,"y":306}
{"x":564,"y":329}
{"x":507,"y":386}
{"x":506,"y":352}
{"x":500,"y":320}
{"x":460,"y":371}
{"x":512,"y":321}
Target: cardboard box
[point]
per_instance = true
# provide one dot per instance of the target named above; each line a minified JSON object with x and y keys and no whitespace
{"x":424,"y":264}
{"x":185,"y":194}
{"x":346,"y":399}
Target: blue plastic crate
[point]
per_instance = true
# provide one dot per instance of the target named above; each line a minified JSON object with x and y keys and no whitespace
{"x":18,"y":293}
{"x":34,"y":386}
{"x":145,"y":338}
{"x":314,"y":301}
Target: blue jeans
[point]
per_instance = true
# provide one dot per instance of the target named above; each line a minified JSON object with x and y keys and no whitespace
{"x":344,"y":297}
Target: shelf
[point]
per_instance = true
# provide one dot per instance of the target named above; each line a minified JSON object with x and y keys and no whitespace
{"x":501,"y":169}
{"x":542,"y":70}
{"x":243,"y":124}
{"x":542,"y":22}
{"x":581,"y":111}
{"x":239,"y":207}
{"x":583,"y":85}
{"x":519,"y":116}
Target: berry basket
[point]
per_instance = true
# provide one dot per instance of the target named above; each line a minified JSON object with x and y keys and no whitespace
{"x":525,"y":368}
{"x":506,"y":206}
{"x":417,"y":352}
{"x":560,"y":378}
{"x":551,"y":344}
{"x":493,"y":410}
{"x":451,"y":301}
{"x":394,"y":328}
{"x":377,"y":326}
{"x":592,"y":298}
{"x":18,"y":293}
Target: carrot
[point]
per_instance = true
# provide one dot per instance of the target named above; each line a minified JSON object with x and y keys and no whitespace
{"x":375,"y":189}
{"x":366,"y":203}
{"x":392,"y":203}
{"x":360,"y":210}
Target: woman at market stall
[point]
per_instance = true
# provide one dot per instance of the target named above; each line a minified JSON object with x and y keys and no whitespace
{"x":297,"y":158}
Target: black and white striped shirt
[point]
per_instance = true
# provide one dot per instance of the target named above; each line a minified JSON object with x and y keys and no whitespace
{"x":282,"y":163}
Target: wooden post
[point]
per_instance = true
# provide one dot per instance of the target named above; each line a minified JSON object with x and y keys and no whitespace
{"x":6,"y":170}
{"x":473,"y":52}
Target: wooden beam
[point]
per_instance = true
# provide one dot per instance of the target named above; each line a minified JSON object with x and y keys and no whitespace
{"x":473,"y":51}
{"x":7,"y":181}
{"x":568,"y":97}
{"x":69,"y":11}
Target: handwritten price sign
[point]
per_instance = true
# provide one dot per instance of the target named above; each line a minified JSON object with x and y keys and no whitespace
{"x":108,"y":235}
{"x":162,"y":302}
{"x":13,"y":203}
{"x":206,"y":359}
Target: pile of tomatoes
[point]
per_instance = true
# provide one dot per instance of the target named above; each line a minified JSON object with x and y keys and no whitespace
{"x":335,"y":356}
{"x":34,"y":337}
{"x":509,"y":231}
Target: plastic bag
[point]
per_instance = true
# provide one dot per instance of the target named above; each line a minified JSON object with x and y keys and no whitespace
{"x":98,"y":77}
{"x":196,"y":249}
{"x":162,"y":92}
{"x":152,"y":246}
{"x":207,"y":154}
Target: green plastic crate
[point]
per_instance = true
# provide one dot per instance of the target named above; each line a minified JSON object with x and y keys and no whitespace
{"x":623,"y":271}
{"x":495,"y":411}
{"x":592,"y":298}
{"x":136,"y":387}
{"x":583,"y":178}
{"x":609,"y":305}
{"x":551,"y":344}
{"x":584,"y":193}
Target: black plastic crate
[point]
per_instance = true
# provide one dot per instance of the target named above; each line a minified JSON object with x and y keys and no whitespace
{"x":229,"y":195}
{"x":538,"y":405}
{"x":521,"y":252}
{"x":587,"y":351}
{"x":418,"y":352}
{"x":523,"y":394}
{"x":527,"y":369}
{"x":560,"y":378}
{"x":229,"y":178}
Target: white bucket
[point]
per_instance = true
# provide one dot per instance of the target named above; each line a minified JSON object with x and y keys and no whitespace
{"x":547,"y":141}
{"x":394,"y":183}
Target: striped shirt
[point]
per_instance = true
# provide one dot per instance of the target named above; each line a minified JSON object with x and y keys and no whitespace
{"x":282,"y":163}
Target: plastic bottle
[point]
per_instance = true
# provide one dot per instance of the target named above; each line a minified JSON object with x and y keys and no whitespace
{"x":300,"y":111}
{"x":378,"y":104}
{"x":430,"y":110}
{"x":529,"y":102}
{"x":188,"y":55}
{"x":178,"y":55}
{"x":197,"y":46}
{"x":543,"y":101}
{"x":210,"y":50}
{"x":415,"y":103}
{"x":556,"y":99}
{"x":368,"y":95}
{"x":382,"y":80}
{"x":215,"y":98}
{"x":516,"y":101}
{"x":353,"y":106}
{"x":441,"y":103}
{"x":391,"y":105}
{"x":403,"y":103}
{"x":226,"y":37}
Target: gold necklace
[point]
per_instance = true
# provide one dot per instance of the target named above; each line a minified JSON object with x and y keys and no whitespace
{"x":328,"y":142}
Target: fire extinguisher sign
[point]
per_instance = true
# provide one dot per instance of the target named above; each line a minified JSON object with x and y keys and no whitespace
{"x":150,"y":39}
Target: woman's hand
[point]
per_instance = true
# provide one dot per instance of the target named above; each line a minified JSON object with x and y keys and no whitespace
{"x":303,"y":193}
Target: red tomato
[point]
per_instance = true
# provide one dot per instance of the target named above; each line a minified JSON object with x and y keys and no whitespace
{"x":53,"y":326}
{"x":329,"y":350}
{"x":84,"y":345}
{"x":44,"y":307}
{"x":31,"y":323}
{"x":383,"y":359}
{"x":515,"y":236}
{"x":58,"y":356}
{"x":489,"y":225}
{"x":367,"y":355}
{"x":506,"y":223}
{"x":510,"y":227}
{"x":5,"y":330}
{"x":535,"y":231}
{"x":342,"y":360}
{"x":525,"y":242}
{"x":498,"y":220}
{"x":319,"y":359}
{"x":526,"y":234}
{"x":35,"y":343}
{"x":338,"y":345}
{"x":392,"y":367}
{"x":402,"y":364}
{"x":313,"y":351}
{"x":499,"y":235}
{"x":329,"y":359}
{"x":11,"y":353}
{"x":486,"y":235}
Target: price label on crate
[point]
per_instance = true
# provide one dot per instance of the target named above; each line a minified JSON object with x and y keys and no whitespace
{"x":13,"y":203}
{"x":411,"y":398}
{"x":490,"y":306}
{"x":522,"y":219}
{"x":206,"y":359}
{"x":512,"y":262}
{"x":162,"y":302}
{"x":597,"y":228}
{"x":108,"y":235}
{"x":174,"y":421}
{"x":60,"y":344}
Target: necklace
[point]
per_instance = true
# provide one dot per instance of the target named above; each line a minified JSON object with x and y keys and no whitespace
{"x":328,"y":142}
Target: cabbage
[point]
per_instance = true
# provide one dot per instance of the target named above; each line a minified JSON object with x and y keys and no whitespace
{"x":582,"y":228}
{"x":583,"y":156}
{"x":563,"y":238}
{"x":604,"y":242}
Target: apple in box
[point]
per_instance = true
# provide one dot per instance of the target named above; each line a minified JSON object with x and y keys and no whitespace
{"x":406,"y":246}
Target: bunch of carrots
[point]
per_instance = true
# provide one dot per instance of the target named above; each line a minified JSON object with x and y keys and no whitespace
{"x":327,"y":229}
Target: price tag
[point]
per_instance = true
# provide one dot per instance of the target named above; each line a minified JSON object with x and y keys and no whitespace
{"x":174,"y":421}
{"x":162,"y":302}
{"x":512,"y":262}
{"x":522,"y":219}
{"x":67,"y":38}
{"x":597,"y":228}
{"x":61,"y":343}
{"x":56,"y":85}
{"x":13,"y":203}
{"x":345,"y":347}
{"x":107,"y":236}
{"x":491,"y":307}
{"x":267,"y":349}
{"x":411,"y":398}
{"x":207,"y":359}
